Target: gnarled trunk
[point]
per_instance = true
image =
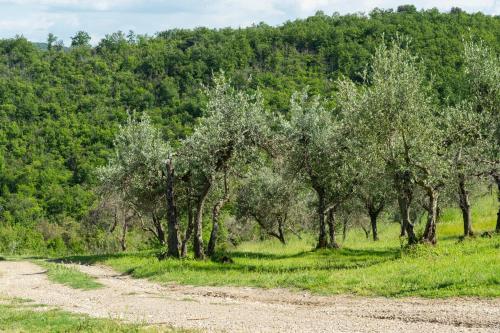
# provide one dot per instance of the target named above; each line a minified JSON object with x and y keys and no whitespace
{"x":405,"y":195}
{"x":189,"y":231}
{"x":322,"y":240}
{"x":432,"y":210}
{"x":280,"y":235}
{"x":366,"y":231}
{"x":190,"y":219}
{"x":497,"y":180}
{"x":344,"y":230}
{"x":199,"y":252}
{"x":464,"y":204}
{"x":373,"y":212}
{"x":407,"y":226}
{"x":331,"y":229}
{"x":402,"y":233}
{"x":123,"y":238}
{"x":159,"y":232}
{"x":213,"y":236}
{"x":373,"y":223}
{"x":215,"y":219}
{"x":173,"y":223}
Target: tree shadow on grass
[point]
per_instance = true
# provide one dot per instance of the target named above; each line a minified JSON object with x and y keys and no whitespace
{"x":325,"y":260}
{"x":263,"y":255}
{"x":89,"y":259}
{"x":347,"y":252}
{"x":262,"y":263}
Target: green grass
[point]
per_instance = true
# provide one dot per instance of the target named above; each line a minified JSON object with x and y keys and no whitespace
{"x":68,"y":276}
{"x":17,"y":315}
{"x":361,"y":267}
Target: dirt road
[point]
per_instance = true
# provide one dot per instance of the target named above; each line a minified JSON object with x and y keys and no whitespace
{"x":232,"y":309}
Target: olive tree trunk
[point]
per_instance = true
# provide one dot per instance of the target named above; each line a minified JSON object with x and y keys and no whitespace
{"x":331,"y":229}
{"x":189,"y":231}
{"x":497,"y":180}
{"x":405,"y":195}
{"x":280,"y":235}
{"x":432,"y":212}
{"x":322,"y":240}
{"x":345,"y":228}
{"x":374,"y":212}
{"x":173,"y":222}
{"x":158,"y":229}
{"x":213,"y":234}
{"x":373,"y":223}
{"x":198,"y":248}
{"x":464,"y":203}
{"x":366,"y":231}
{"x":407,"y":225}
{"x":402,"y":233}
{"x":123,"y":237}
{"x":215,"y":220}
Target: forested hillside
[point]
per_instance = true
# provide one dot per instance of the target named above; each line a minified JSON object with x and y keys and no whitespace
{"x":60,"y":109}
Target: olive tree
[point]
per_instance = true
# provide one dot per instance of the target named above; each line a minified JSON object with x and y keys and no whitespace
{"x":375,"y":193}
{"x":374,"y":186}
{"x":472,"y":126}
{"x":222,"y":198}
{"x":141,"y":173}
{"x":482,"y":69}
{"x":268,"y":198}
{"x":318,"y":152}
{"x":465,"y":146}
{"x":398,"y":124}
{"x":234,"y":124}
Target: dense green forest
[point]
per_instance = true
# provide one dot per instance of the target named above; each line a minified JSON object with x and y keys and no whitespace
{"x":61,"y":108}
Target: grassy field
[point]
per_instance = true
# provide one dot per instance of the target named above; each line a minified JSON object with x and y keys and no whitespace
{"x":362,"y":267}
{"x":68,"y":276}
{"x":18,"y":315}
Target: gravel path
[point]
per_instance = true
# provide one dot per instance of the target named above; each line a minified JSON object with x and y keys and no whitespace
{"x":234,"y":309}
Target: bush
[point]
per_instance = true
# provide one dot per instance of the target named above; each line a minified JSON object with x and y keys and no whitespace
{"x":56,"y":246}
{"x":16,"y":239}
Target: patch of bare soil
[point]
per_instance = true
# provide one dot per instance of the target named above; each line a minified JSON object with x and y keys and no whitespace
{"x":236,"y":309}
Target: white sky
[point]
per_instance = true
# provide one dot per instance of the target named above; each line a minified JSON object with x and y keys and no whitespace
{"x":34,"y":19}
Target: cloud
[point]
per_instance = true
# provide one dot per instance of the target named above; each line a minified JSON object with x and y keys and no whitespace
{"x":27,"y":24}
{"x":99,"y":5}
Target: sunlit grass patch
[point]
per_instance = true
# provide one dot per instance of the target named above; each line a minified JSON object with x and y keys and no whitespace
{"x":69,"y":276}
{"x":18,"y":316}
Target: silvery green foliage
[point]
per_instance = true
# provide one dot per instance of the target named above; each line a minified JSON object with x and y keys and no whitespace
{"x":482,"y":68}
{"x":374,"y":186}
{"x":233,"y":127}
{"x":234,"y":124}
{"x":269,"y":199}
{"x":399,"y":127}
{"x":318,"y":148}
{"x":309,"y":132}
{"x":396,"y":117}
{"x":136,"y":170}
{"x":466,"y":142}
